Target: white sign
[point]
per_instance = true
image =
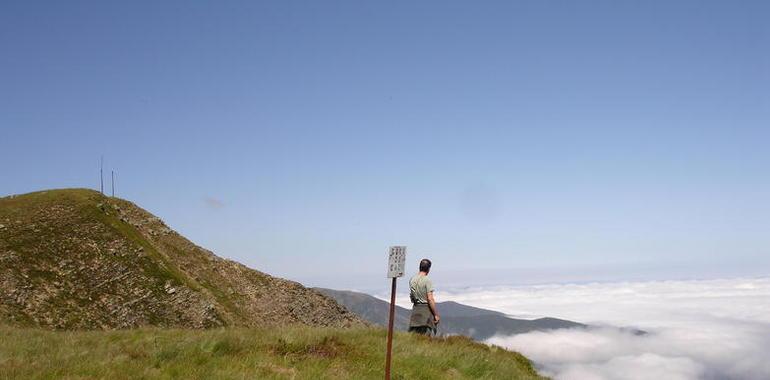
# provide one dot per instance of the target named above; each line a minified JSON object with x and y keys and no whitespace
{"x":396,"y":261}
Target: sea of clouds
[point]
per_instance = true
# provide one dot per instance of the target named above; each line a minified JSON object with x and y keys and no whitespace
{"x":704,"y":329}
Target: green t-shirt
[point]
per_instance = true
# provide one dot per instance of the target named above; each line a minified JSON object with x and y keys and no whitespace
{"x":419,"y":287}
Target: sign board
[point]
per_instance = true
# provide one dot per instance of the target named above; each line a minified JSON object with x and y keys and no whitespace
{"x":396,"y":261}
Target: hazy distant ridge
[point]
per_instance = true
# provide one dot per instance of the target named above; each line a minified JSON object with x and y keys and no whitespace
{"x":456,"y":318}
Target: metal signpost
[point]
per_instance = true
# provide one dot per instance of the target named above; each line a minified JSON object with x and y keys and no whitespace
{"x":396,"y":263}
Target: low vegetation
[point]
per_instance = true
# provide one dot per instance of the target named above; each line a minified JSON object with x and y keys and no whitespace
{"x":298,"y":352}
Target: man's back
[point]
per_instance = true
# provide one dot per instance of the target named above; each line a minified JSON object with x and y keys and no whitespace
{"x":419,"y":287}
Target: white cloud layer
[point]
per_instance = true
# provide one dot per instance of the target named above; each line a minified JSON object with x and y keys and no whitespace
{"x":714,"y":329}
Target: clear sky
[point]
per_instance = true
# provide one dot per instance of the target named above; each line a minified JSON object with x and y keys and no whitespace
{"x":511,"y":141}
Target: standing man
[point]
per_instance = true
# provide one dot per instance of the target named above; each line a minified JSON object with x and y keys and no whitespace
{"x":424,"y":314}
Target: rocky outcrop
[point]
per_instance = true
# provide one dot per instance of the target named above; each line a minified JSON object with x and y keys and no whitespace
{"x":75,"y":259}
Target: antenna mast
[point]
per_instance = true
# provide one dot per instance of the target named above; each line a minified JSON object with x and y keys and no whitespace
{"x":113,"y":183}
{"x":101,"y":174}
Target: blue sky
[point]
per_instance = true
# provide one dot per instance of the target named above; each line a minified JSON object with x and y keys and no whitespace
{"x":510,"y":142}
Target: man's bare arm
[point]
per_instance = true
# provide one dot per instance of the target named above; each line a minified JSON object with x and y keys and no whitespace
{"x":432,"y":306}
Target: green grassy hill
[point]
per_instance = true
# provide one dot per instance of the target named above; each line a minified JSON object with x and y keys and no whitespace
{"x":243,"y":353}
{"x":96,"y":287}
{"x":75,"y":259}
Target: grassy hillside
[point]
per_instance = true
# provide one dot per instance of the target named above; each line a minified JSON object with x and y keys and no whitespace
{"x":241,"y":353}
{"x":75,"y":259}
{"x":81,"y":263}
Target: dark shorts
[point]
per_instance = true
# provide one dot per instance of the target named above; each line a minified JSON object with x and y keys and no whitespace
{"x":421,"y":320}
{"x":424,"y":330}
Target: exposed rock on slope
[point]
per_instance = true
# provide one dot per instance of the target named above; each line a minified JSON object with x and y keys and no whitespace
{"x":75,"y":259}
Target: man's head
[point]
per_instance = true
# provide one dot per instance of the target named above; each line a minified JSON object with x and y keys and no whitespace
{"x":425,"y":265}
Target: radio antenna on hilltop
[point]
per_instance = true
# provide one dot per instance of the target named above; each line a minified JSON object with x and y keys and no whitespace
{"x":113,"y":183}
{"x":101,"y":174}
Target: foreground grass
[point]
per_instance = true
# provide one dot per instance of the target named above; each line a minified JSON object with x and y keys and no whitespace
{"x":236,"y":353}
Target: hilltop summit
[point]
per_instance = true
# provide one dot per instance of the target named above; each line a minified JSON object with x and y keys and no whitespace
{"x":76,"y":259}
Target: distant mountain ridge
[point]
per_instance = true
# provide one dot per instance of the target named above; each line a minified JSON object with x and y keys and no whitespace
{"x":456,"y":318}
{"x":76,"y":259}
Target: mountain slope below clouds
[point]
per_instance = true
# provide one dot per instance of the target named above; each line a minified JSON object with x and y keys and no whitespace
{"x":75,"y":259}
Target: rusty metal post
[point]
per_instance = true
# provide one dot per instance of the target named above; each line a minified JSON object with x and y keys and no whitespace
{"x":390,"y":328}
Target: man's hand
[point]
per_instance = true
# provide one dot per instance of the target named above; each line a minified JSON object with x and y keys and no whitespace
{"x":432,"y":306}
